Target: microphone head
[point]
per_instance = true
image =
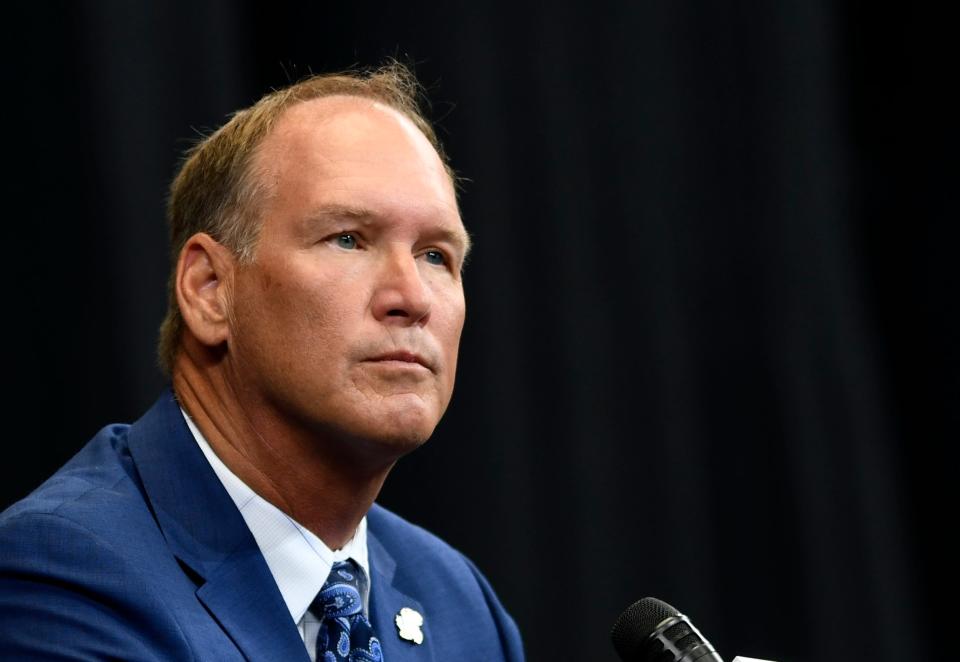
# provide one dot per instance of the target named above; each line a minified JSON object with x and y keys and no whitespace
{"x":650,"y":630}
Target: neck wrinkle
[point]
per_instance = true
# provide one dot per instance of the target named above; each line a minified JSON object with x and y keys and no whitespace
{"x":302,"y":475}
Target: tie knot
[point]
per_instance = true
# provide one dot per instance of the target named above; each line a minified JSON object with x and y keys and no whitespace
{"x":340,"y":596}
{"x":345,"y":634}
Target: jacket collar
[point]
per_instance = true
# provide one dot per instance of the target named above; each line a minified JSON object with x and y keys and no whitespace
{"x":206,"y":532}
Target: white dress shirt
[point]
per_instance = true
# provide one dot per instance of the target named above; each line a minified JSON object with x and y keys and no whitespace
{"x":298,"y":560}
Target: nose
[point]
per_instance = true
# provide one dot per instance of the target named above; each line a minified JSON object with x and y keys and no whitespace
{"x":401,"y":296}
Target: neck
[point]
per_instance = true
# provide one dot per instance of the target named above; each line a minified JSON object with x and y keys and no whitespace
{"x":318,"y":481}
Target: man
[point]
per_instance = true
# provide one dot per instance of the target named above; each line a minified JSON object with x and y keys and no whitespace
{"x":315,"y":313}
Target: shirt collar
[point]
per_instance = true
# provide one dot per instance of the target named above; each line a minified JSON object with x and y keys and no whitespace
{"x":298,"y":560}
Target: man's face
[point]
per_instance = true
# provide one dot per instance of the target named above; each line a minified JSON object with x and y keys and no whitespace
{"x":347,"y":322}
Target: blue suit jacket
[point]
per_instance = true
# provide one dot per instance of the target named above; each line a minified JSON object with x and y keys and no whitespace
{"x":134,"y":551}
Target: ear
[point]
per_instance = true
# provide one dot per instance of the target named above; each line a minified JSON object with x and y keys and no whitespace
{"x":203,"y":284}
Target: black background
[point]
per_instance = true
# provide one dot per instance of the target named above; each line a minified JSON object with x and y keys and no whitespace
{"x":710,"y":351}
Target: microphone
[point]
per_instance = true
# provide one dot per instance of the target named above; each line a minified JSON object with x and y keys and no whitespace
{"x":650,"y":630}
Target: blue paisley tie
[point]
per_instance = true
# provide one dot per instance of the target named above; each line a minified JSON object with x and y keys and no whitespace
{"x":345,"y":633}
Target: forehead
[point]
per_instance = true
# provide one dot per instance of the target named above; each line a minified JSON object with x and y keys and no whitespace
{"x":358,"y":152}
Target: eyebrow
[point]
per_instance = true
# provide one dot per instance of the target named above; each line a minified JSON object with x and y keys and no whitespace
{"x":366,"y":216}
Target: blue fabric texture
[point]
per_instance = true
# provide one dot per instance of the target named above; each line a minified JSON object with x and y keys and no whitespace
{"x":134,"y":551}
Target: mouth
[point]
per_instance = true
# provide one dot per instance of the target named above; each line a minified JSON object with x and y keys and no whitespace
{"x":401,"y":359}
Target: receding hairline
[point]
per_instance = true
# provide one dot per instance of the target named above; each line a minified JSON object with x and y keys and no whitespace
{"x":345,"y":103}
{"x":341,"y":104}
{"x":260,"y":169}
{"x":344,"y":98}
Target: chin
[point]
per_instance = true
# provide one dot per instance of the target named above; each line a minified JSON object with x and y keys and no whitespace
{"x":394,"y":430}
{"x":380,"y":425}
{"x":408,"y":426}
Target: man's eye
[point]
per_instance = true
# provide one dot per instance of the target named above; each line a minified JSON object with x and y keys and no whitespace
{"x":435,"y":257}
{"x":347,"y":241}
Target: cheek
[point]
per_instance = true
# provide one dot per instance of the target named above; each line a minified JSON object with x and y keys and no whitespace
{"x":290,"y":309}
{"x":319,"y":319}
{"x":451,"y":323}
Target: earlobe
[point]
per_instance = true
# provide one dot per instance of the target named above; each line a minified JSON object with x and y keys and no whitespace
{"x":204,"y":273}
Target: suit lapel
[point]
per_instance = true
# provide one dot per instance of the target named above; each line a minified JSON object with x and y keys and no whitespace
{"x":386,"y":601}
{"x":206,"y":532}
{"x":253,"y":614}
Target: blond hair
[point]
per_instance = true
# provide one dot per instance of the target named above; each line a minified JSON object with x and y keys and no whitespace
{"x":217,"y":192}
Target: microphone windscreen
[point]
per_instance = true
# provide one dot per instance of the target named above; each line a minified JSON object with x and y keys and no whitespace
{"x":634,"y":626}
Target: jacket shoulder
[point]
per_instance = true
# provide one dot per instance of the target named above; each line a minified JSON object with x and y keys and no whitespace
{"x":99,"y":476}
{"x":77,"y":557}
{"x":68,"y":585}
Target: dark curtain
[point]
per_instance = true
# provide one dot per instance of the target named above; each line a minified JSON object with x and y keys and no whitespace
{"x":710,"y":351}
